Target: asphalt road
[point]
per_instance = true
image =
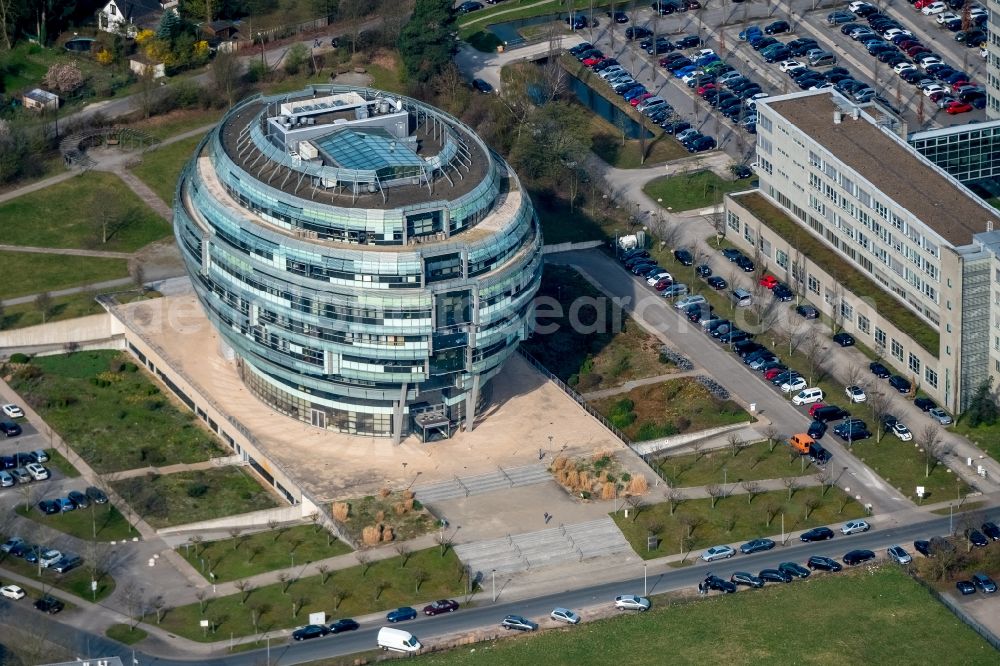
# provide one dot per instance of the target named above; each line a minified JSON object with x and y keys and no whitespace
{"x":486,"y":615}
{"x":643,"y":303}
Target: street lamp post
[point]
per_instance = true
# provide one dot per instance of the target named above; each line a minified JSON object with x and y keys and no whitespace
{"x":263,"y":65}
{"x":494,"y":586}
{"x":645,"y":588}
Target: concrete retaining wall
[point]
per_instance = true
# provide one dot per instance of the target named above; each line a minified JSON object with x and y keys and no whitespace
{"x":80,"y":330}
{"x":656,"y":445}
{"x":245,"y":521}
{"x":566,"y":247}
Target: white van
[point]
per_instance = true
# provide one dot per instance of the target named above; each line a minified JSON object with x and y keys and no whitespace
{"x":397,"y":640}
{"x":807,"y":396}
{"x":741,"y":297}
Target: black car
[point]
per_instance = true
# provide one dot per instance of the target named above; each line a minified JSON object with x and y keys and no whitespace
{"x":482,"y":86}
{"x":580,"y":48}
{"x":976,"y":538}
{"x":817,"y":534}
{"x":684,"y":257}
{"x":756,"y":546}
{"x":741,"y":171}
{"x":965,"y":587}
{"x":879,"y":370}
{"x":309,"y":631}
{"x":637,"y":32}
{"x":8,"y":462}
{"x":10,"y":429}
{"x":720,"y":584}
{"x":782,"y":292}
{"x":49,"y":507}
{"x":844,"y":339}
{"x":619,"y":17}
{"x":823,"y":563}
{"x":775,"y":576}
{"x":51,"y":605}
{"x":745,"y":264}
{"x":745,"y":578}
{"x":901,"y":384}
{"x":856,"y":557}
{"x":68,"y":562}
{"x":688,"y":42}
{"x":701,"y":144}
{"x":984,"y":583}
{"x":816,"y":429}
{"x":22,"y":549}
{"x":518,"y":623}
{"x":732,"y":254}
{"x":78,"y":498}
{"x":467,"y":7}
{"x":794,"y":569}
{"x":716,"y":282}
{"x":924,"y":404}
{"x":676,"y":127}
{"x":777,"y":28}
{"x":992,"y":531}
{"x":703,"y":270}
{"x":340,"y":626}
{"x":96,"y":495}
{"x":807,"y":311}
{"x":923,"y":547}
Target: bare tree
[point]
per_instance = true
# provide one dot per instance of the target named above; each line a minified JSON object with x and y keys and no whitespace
{"x":736,"y":443}
{"x":853,"y":375}
{"x":134,"y":601}
{"x":752,"y":488}
{"x":324,"y":571}
{"x":674,"y":499}
{"x":773,"y":437}
{"x":634,"y":502}
{"x":225,"y":73}
{"x":234,"y":534}
{"x":200,"y":595}
{"x":380,"y":587}
{"x":934,"y":448}
{"x":697,"y":449}
{"x":253,"y":551}
{"x":826,"y":480}
{"x":690,"y":522}
{"x":285,"y":579}
{"x":364,"y":559}
{"x":245,"y":587}
{"x":297,"y":604}
{"x":43,"y":303}
{"x":419,"y":578}
{"x":771,"y":509}
{"x":811,"y":504}
{"x":443,"y":541}
{"x":159,"y":607}
{"x":880,"y":403}
{"x":715,"y":491}
{"x":404,"y":553}
{"x":815,"y":353}
{"x":792,"y":483}
{"x":728,"y":521}
{"x":338,"y":597}
{"x":256,"y":614}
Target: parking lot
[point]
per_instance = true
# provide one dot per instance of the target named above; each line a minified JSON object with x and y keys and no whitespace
{"x":805,"y":22}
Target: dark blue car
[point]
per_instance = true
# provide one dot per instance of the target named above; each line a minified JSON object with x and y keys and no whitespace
{"x":401,"y":614}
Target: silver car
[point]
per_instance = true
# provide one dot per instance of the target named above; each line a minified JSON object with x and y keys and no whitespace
{"x":631,"y":602}
{"x":899,"y":555}
{"x":6,"y":480}
{"x":940,"y":416}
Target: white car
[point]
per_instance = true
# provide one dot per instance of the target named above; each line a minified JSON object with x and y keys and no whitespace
{"x":786,"y":65}
{"x":903,"y":66}
{"x":934,"y":8}
{"x":933,"y":88}
{"x":11,"y":592}
{"x":855,"y":6}
{"x":896,"y":32}
{"x":565,"y":615}
{"x":49,"y":557}
{"x":13,"y":411}
{"x":691,"y":76}
{"x":854,"y":527}
{"x":631,"y":602}
{"x":696,"y":299}
{"x":947,"y":16}
{"x":807,"y":396}
{"x":902,"y":432}
{"x":37,"y":472}
{"x":795,"y":384}
{"x":701,"y":53}
{"x":718,"y":553}
{"x":855,"y":394}
{"x":659,"y":276}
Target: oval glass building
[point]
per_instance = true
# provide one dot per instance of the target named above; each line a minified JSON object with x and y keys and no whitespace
{"x":368,"y":261}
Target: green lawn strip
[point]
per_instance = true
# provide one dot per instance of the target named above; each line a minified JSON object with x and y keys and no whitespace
{"x":606,"y":142}
{"x":63,"y":307}
{"x":26,"y":273}
{"x":178,"y":122}
{"x":123,"y":633}
{"x":752,"y":463}
{"x":732,"y":519}
{"x":903,"y":466}
{"x":346,"y":593}
{"x":75,"y":582}
{"x":108,"y":523}
{"x":968,"y":506}
{"x":852,"y":279}
{"x":76,"y":213}
{"x":251,"y":554}
{"x":189,"y":497}
{"x":123,"y":421}
{"x":694,"y":189}
{"x":618,"y":352}
{"x":501,"y":13}
{"x":161,"y":167}
{"x":560,"y":224}
{"x":59,"y":462}
{"x":759,"y":626}
{"x":986,"y":437}
{"x":672,"y":407}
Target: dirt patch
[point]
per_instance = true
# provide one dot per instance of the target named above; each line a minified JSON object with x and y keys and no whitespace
{"x":599,"y":476}
{"x":385,"y":59}
{"x":160,"y":260}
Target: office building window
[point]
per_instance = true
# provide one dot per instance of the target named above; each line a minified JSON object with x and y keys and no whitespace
{"x":930,"y":376}
{"x":864,"y":325}
{"x":880,"y":338}
{"x":813,"y":284}
{"x":897,"y":349}
{"x":846,"y":311}
{"x":733,"y":220}
{"x":748,"y":234}
{"x":914,"y":364}
{"x":781,"y":258}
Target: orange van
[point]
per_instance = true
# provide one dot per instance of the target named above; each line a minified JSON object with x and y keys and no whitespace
{"x":801,"y":442}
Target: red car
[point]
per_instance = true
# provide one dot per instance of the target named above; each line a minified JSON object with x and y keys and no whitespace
{"x":958,"y":107}
{"x":920,"y":4}
{"x":662,"y":284}
{"x":705,"y":88}
{"x":441,"y":606}
{"x":815,"y":406}
{"x":592,"y":60}
{"x":635,"y":100}
{"x":772,"y":373}
{"x":769,"y":281}
{"x":958,"y":84}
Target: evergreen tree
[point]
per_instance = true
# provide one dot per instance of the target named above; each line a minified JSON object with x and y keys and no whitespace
{"x":982,"y":407}
{"x":426,"y":41}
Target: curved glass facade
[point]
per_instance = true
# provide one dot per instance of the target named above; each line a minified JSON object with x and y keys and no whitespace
{"x":371,"y":301}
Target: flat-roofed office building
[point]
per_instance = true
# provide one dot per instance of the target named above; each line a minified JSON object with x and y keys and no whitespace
{"x":367,"y":259}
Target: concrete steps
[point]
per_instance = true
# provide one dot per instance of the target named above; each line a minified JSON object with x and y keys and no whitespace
{"x":502,"y":479}
{"x":548,"y":547}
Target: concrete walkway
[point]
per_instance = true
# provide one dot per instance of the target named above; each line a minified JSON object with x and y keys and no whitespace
{"x":38,"y":185}
{"x":636,"y":383}
{"x":143,"y":191}
{"x":478,"y":65}
{"x":68,"y":251}
{"x":94,"y":286}
{"x":179,"y":467}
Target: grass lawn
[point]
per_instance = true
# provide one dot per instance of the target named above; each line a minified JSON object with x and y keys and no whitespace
{"x":877,"y":617}
{"x":694,"y":189}
{"x":95,"y":523}
{"x":668,"y":408}
{"x":386,"y":71}
{"x":72,"y":214}
{"x":986,"y":437}
{"x":852,"y":279}
{"x":348,"y":592}
{"x":732,"y":519}
{"x":189,"y":497}
{"x":125,"y":634}
{"x":753,"y":463}
{"x":586,"y":358}
{"x":178,"y":122}
{"x":562,"y":225}
{"x":125,"y":423}
{"x":59,"y":462}
{"x":76,"y":581}
{"x":25,"y":273}
{"x":606,"y":142}
{"x":903,"y":466}
{"x":63,"y":307}
{"x":517,"y":9}
{"x":251,"y":554}
{"x":161,"y":167}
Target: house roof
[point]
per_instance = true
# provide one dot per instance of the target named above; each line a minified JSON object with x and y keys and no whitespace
{"x":137,"y":9}
{"x":41,"y":96}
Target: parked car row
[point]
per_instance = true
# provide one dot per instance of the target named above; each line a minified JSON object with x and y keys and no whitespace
{"x":74,"y":500}
{"x":48,"y":558}
{"x":23,"y":467}
{"x":976,"y":538}
{"x":319,"y":630}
